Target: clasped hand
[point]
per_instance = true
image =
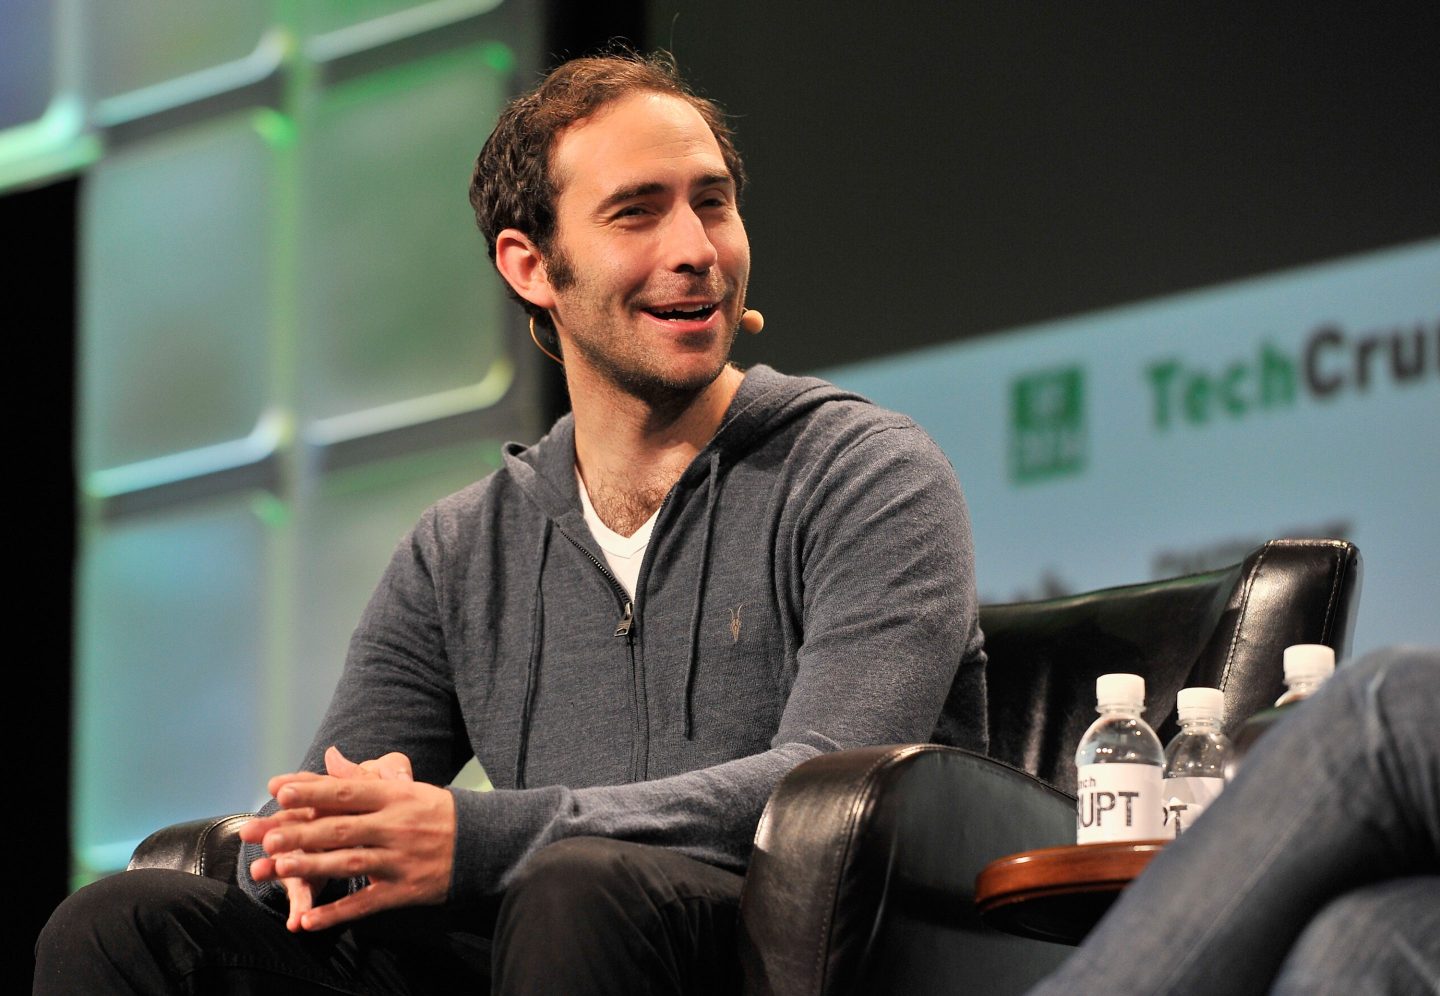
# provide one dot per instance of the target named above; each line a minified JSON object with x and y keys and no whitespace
{"x":370,"y":819}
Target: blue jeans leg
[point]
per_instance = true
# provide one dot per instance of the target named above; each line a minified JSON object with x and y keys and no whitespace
{"x":1379,"y":940}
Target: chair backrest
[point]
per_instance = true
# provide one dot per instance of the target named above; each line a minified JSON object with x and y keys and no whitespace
{"x":1223,"y":629}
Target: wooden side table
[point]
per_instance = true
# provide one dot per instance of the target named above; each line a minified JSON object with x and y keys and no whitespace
{"x":1059,"y":893}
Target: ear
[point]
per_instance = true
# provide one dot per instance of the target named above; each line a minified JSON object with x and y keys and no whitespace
{"x":520,"y":263}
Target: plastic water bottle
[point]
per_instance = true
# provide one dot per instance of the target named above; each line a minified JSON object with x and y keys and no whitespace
{"x":1195,"y":759}
{"x":1307,"y":665}
{"x":1119,"y":763}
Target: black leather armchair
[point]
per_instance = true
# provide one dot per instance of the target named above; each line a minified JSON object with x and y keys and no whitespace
{"x":863,"y":875}
{"x":209,"y":847}
{"x":862,"y":879}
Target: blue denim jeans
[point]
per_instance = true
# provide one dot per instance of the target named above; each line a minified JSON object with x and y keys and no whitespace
{"x":1316,"y":871}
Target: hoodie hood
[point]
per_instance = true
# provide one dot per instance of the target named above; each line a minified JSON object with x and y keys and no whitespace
{"x":765,"y":402}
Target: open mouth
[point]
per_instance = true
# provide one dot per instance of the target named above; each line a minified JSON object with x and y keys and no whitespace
{"x":684,"y":313}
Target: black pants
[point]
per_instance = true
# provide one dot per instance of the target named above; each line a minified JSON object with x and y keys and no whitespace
{"x":584,"y":916}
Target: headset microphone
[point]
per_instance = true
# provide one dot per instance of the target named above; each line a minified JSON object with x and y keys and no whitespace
{"x":752,"y":321}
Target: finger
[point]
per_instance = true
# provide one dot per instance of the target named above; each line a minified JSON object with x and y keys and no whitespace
{"x":274,"y":784}
{"x":343,"y":863}
{"x":340,"y":766}
{"x":302,"y":900}
{"x":263,"y":869}
{"x":394,"y":766}
{"x":253,"y":831}
{"x":340,"y":795}
{"x":327,"y":833}
{"x":371,"y":899}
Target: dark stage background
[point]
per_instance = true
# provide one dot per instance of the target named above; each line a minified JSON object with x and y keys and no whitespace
{"x":923,"y":172}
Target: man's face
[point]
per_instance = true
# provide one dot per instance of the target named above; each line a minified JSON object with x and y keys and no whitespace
{"x":650,"y":259}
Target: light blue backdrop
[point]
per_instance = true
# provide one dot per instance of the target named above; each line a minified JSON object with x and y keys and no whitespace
{"x":1174,"y":435}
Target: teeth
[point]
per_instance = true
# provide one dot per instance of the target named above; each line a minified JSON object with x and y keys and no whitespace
{"x":685,"y":312}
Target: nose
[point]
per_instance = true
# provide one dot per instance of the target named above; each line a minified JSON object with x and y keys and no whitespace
{"x":688,"y":248}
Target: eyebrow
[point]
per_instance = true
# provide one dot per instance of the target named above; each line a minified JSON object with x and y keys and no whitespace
{"x":650,"y":187}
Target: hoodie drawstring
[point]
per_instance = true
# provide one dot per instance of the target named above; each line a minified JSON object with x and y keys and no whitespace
{"x":713,"y":486}
{"x":532,"y":671}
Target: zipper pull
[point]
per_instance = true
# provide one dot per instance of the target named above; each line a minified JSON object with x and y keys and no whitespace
{"x":623,"y":627}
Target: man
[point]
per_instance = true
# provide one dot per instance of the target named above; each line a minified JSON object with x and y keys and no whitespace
{"x":695,"y":582}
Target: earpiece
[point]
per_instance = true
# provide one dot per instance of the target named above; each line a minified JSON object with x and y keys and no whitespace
{"x":540,"y":346}
{"x":751,"y":320}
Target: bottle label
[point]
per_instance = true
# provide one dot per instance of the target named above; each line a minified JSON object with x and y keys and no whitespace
{"x":1185,"y":799}
{"x":1118,"y":802}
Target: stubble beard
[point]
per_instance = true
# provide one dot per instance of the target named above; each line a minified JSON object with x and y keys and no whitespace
{"x":656,"y":388}
{"x":627,"y":370}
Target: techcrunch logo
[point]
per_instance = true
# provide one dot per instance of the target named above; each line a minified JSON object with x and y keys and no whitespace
{"x":1328,"y":364}
{"x":1047,"y":424}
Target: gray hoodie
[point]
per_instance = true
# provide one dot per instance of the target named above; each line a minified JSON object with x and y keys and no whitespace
{"x":808,"y":587}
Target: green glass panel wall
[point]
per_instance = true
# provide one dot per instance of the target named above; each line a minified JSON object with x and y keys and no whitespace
{"x":176,"y":293}
{"x":321,"y":17}
{"x":132,"y":46}
{"x":390,"y":256}
{"x":347,"y":530}
{"x":291,"y":342}
{"x":167,"y":691}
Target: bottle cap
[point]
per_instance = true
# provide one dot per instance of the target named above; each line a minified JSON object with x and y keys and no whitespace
{"x":1120,"y":689}
{"x":1308,"y":662}
{"x":1200,"y":703}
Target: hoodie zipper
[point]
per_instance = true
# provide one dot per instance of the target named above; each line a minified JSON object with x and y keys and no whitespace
{"x":639,"y":709}
{"x":627,"y":607}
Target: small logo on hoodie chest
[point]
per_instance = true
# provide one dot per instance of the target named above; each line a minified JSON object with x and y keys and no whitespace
{"x":735,"y":623}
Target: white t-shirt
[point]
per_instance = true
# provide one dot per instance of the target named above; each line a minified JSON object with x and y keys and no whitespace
{"x":622,"y":553}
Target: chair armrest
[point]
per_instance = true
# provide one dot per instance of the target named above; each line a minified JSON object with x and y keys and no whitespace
{"x":201,"y":847}
{"x":863,"y":874}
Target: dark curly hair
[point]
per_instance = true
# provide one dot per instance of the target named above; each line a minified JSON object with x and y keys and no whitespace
{"x":512,"y":185}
